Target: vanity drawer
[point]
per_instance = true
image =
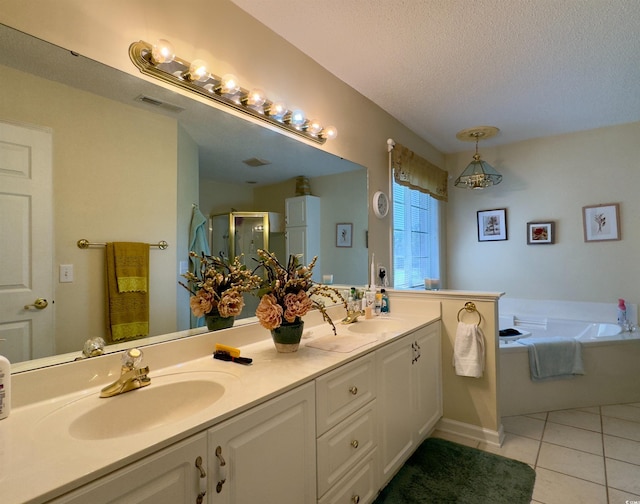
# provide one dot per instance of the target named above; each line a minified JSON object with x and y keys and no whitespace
{"x":359,"y":486}
{"x":341,"y":392}
{"x":340,"y":449}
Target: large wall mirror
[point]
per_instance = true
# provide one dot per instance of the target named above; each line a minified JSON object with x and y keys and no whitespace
{"x":129,"y":159}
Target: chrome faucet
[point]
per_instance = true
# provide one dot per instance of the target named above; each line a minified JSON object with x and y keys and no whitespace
{"x":132,"y":375}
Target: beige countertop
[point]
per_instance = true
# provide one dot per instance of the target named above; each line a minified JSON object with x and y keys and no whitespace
{"x":40,"y":460}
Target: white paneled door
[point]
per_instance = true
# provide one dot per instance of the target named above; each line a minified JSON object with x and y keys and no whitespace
{"x":26,"y":243}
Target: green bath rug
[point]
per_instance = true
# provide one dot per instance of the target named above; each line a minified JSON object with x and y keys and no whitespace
{"x":442,"y":472}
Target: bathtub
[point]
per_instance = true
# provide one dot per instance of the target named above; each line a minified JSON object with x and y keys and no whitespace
{"x":585,"y":332}
{"x":611,"y":360}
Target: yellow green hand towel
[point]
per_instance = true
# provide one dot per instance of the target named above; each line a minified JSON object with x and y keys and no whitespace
{"x":127,"y":311}
{"x":132,"y":266}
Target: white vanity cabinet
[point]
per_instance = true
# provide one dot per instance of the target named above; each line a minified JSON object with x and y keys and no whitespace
{"x":175,"y":475}
{"x":409,"y":395}
{"x":302,"y":233}
{"x":266,"y":454}
{"x":347,"y":429}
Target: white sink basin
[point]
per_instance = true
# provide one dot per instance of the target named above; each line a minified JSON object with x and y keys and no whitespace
{"x":378,"y":325}
{"x":169,"y":399}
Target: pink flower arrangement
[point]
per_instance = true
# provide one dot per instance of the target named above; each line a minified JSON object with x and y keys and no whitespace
{"x":218,"y":285}
{"x":286,"y":292}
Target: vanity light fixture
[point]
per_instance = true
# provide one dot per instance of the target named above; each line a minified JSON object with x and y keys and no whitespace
{"x":159,"y":61}
{"x":479,"y":174}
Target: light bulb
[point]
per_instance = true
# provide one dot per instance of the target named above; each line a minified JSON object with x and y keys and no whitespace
{"x":229,"y":84}
{"x":162,"y":52}
{"x":198,"y":71}
{"x":297,"y":118}
{"x":256,"y":98}
{"x":314,"y":127}
{"x":330,"y":132}
{"x":277,"y":110}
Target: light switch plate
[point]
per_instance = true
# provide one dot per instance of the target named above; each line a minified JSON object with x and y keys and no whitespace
{"x":66,"y":273}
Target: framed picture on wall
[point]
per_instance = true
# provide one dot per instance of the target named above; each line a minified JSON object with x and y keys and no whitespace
{"x":541,"y":233}
{"x":492,"y":225}
{"x":344,"y":234}
{"x":601,"y":222}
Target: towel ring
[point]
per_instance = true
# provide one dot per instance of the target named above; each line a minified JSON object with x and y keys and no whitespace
{"x":470,"y":307}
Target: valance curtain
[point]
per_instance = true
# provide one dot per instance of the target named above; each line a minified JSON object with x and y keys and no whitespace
{"x":415,"y":172}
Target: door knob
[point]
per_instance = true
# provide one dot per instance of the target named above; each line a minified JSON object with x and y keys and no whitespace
{"x":39,"y":304}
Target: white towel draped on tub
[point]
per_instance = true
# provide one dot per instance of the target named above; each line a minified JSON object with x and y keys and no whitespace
{"x":468,"y":350}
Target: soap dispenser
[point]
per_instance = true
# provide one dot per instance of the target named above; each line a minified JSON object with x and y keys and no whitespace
{"x":5,"y":387}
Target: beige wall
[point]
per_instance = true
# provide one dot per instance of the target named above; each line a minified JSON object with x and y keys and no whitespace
{"x":551,"y":179}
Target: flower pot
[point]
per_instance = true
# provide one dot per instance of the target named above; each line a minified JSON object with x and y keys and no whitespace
{"x":287,"y":337}
{"x":215,"y":322}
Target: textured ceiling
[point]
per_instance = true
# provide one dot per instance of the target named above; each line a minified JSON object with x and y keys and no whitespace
{"x":532,"y":68}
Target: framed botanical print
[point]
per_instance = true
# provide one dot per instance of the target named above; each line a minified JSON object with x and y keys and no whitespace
{"x":344,"y":234}
{"x":492,"y":225}
{"x":601,"y":222}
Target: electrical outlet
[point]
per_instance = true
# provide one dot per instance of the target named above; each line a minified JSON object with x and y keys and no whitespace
{"x":66,"y":273}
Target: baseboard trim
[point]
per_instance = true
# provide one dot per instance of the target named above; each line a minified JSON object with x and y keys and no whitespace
{"x":472,"y":432}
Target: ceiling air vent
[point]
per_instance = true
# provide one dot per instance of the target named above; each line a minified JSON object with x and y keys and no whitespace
{"x":159,"y":104}
{"x":255,"y":162}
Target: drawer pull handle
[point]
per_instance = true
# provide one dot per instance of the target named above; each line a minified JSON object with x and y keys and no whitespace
{"x":203,"y":482}
{"x":353,"y":389}
{"x":355,"y":499}
{"x":223,"y":470}
{"x":203,"y":474}
{"x":219,"y":455}
{"x":355,"y":443}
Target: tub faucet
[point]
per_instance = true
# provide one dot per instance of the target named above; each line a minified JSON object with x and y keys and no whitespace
{"x":132,"y":375}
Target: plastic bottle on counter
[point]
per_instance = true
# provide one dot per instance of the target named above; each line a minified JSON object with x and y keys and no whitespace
{"x":622,"y":313}
{"x":384,"y":307}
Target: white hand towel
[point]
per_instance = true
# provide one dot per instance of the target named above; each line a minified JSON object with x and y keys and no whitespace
{"x":468,"y":350}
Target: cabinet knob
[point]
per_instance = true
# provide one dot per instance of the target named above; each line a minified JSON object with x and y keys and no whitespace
{"x":355,"y":443}
{"x":353,"y":389}
{"x":355,"y":499}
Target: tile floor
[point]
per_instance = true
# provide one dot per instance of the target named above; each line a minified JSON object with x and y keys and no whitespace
{"x":585,"y":455}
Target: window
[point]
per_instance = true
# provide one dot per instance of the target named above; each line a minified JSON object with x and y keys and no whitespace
{"x":415,"y":238}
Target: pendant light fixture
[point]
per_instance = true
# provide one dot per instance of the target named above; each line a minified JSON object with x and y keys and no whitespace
{"x":479,"y":174}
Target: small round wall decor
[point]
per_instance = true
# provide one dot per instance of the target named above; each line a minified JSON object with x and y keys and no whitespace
{"x":380,"y":204}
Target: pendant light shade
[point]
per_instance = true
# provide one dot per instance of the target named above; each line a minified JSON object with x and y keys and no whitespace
{"x":478,"y":174}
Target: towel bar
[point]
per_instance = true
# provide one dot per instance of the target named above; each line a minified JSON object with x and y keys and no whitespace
{"x":470,"y":307}
{"x":85,"y":244}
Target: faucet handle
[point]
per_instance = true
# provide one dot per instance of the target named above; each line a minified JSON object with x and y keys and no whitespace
{"x":132,"y":358}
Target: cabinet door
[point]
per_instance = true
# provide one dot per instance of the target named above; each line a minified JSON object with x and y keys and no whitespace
{"x":267,"y":454}
{"x":167,"y":477}
{"x":395,"y":405}
{"x":302,"y":211}
{"x":428,"y":379}
{"x":296,"y":243}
